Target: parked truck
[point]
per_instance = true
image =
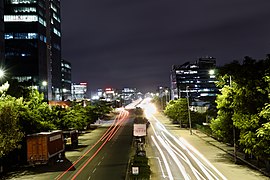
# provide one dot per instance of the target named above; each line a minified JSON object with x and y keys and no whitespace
{"x":71,"y":139}
{"x":45,"y":147}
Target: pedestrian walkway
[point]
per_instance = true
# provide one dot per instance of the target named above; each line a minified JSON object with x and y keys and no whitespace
{"x":219,"y":154}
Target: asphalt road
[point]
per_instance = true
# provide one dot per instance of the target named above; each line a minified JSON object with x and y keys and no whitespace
{"x":102,"y":154}
{"x":108,"y":158}
{"x":176,"y":158}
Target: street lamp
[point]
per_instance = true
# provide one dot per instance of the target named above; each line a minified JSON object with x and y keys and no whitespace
{"x":166,"y":94}
{"x":2,"y":73}
{"x":44,"y":84}
{"x":189,"y":119}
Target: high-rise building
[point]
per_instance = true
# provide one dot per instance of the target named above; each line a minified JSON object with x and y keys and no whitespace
{"x":66,"y":79}
{"x":1,"y":32}
{"x":195,"y":80}
{"x":33,"y":43}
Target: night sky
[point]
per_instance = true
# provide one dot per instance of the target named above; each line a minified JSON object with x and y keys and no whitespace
{"x":134,"y":43}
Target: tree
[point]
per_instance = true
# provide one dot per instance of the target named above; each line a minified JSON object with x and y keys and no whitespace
{"x":244,"y":105}
{"x":10,"y":134}
{"x":222,"y":126}
{"x":177,"y":110}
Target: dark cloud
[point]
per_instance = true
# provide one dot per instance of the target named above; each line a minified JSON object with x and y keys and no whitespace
{"x":134,"y":43}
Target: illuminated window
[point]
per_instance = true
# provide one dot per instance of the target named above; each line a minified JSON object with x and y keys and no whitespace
{"x":56,"y":17}
{"x":41,"y":21}
{"x":8,"y":36}
{"x":56,"y":32}
{"x":22,"y":1}
{"x":21,"y":36}
{"x":24,"y":9}
{"x":20,"y":18}
{"x":53,"y":7}
{"x":25,"y":35}
{"x":42,"y":38}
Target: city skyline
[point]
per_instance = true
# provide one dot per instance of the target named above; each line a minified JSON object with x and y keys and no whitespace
{"x":134,"y":44}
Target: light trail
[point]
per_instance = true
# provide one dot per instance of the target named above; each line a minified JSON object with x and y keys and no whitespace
{"x":164,"y":159}
{"x":184,"y":157}
{"x":110,"y":132}
{"x":180,"y":150}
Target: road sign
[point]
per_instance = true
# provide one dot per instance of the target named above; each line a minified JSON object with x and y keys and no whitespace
{"x":139,"y":130}
{"x":135,"y":170}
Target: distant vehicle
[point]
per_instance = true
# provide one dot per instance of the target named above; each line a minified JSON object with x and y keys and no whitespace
{"x":45,"y":147}
{"x":71,"y":139}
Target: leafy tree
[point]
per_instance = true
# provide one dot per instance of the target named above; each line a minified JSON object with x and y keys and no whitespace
{"x":244,"y":105}
{"x":222,"y":126}
{"x":10,"y":134}
{"x":35,"y":115}
{"x":177,"y":110}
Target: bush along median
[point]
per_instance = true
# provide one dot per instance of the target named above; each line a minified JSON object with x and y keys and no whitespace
{"x":139,"y":167}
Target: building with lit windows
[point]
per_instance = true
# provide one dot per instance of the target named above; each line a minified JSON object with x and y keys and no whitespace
{"x":66,"y":79}
{"x":2,"y":32}
{"x":79,"y":91}
{"x":197,"y":80}
{"x":33,"y":44}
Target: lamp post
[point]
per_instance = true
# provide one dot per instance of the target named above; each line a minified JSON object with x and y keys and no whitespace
{"x":44,"y":84}
{"x":189,"y":119}
{"x":234,"y":139}
{"x":2,"y":73}
{"x":166,"y":94}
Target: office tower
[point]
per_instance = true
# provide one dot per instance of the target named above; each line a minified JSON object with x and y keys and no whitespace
{"x":196,"y":80}
{"x":33,"y":44}
{"x":1,"y":32}
{"x":66,"y":80}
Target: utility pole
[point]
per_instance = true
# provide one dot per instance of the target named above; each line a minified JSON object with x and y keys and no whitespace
{"x":234,"y":139}
{"x":189,"y":119}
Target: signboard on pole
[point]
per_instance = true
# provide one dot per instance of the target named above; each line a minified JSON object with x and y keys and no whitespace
{"x":139,"y":130}
{"x":135,"y":170}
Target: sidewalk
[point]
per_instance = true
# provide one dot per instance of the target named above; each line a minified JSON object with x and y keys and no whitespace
{"x":219,"y":154}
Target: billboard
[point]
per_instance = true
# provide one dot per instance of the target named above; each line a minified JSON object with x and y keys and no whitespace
{"x":139,"y":130}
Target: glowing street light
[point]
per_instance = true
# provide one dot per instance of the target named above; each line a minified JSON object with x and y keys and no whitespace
{"x":2,"y":73}
{"x":44,"y":83}
{"x":212,"y":72}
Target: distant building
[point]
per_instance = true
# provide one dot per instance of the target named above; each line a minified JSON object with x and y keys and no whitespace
{"x":66,"y":80}
{"x":109,"y":94}
{"x":79,"y":91}
{"x":1,"y":32}
{"x":128,"y":95}
{"x":164,"y":94}
{"x":197,"y":80}
{"x":33,"y":44}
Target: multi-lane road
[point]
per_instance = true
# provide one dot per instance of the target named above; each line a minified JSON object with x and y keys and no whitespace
{"x":108,"y":157}
{"x":176,"y":158}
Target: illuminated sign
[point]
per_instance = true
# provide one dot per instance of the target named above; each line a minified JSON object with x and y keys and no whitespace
{"x":139,"y":130}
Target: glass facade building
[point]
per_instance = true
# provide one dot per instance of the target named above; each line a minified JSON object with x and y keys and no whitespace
{"x":196,"y":80}
{"x":1,"y":32}
{"x":33,"y":43}
{"x":66,"y":79}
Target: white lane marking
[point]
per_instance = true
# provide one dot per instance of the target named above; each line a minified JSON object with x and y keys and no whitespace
{"x":159,"y":162}
{"x":176,"y":150}
{"x":94,"y":170}
{"x":202,"y":157}
{"x":194,"y":150}
{"x":99,"y":163}
{"x":174,"y":157}
{"x":164,"y":159}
